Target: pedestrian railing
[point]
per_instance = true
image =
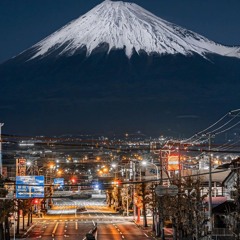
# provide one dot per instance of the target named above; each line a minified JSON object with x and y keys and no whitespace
{"x":222,"y":232}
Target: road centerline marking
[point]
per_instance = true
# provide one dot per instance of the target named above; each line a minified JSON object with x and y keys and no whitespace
{"x":76,"y":225}
{"x":55,"y":228}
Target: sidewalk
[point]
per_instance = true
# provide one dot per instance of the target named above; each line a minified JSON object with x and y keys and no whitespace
{"x":22,"y":233}
{"x":148,"y":230}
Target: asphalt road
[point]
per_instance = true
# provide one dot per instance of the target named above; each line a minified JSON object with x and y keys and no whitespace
{"x":59,"y":229}
{"x":66,"y":223}
{"x":117,"y":231}
{"x":73,"y":229}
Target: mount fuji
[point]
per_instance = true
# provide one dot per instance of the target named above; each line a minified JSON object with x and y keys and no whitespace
{"x":127,"y":26}
{"x":119,"y":68}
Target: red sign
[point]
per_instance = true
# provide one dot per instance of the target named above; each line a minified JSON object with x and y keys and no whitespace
{"x":173,"y":162}
{"x":21,"y":167}
{"x":21,"y":161}
{"x":4,"y":171}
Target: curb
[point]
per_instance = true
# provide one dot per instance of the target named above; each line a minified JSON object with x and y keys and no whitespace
{"x":148,"y":234}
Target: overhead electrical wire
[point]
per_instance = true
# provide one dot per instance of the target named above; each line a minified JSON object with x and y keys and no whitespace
{"x":203,"y":136}
{"x":201,"y":132}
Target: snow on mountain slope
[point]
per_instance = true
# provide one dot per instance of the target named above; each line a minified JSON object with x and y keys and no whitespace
{"x":128,"y":26}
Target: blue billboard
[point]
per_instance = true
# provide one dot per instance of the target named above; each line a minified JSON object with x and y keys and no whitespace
{"x":29,"y":187}
{"x":58,"y":182}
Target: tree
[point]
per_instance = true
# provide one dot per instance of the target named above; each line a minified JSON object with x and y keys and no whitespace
{"x":152,"y":203}
{"x":6,"y":207}
{"x":25,"y":205}
{"x":186,"y":210}
{"x":126,"y":197}
{"x":235,"y":215}
{"x":138,"y":199}
{"x":109,"y":197}
{"x":144,"y":202}
{"x":116,"y":197}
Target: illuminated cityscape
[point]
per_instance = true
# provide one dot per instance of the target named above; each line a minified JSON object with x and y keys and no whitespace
{"x":119,"y":120}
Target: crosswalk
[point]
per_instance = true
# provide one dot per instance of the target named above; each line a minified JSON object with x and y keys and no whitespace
{"x":84,"y":218}
{"x":69,"y":206}
{"x":94,"y":210}
{"x":79,"y":202}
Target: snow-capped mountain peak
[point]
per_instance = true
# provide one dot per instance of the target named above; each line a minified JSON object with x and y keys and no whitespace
{"x":123,"y":25}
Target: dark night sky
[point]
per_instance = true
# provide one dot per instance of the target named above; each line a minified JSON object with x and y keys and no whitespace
{"x":25,"y":22}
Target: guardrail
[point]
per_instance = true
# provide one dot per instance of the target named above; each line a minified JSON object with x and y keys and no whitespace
{"x":96,"y":195}
{"x":92,"y":234}
{"x":222,"y":232}
{"x":57,"y":193}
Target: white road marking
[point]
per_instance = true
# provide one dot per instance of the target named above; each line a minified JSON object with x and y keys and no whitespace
{"x":76,"y":225}
{"x":54,"y":230}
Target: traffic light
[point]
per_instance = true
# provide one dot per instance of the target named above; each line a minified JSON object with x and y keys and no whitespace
{"x":73,"y":180}
{"x":117,"y":182}
{"x":35,"y":201}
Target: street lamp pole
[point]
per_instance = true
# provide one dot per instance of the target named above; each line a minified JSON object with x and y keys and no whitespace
{"x":127,"y":203}
{"x":114,"y":166}
{"x":156,"y":169}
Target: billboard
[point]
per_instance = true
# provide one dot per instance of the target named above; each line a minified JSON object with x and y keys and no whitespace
{"x":173,"y":163}
{"x":21,"y":166}
{"x":29,"y":187}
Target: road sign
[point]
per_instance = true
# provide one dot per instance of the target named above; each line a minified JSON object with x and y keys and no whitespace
{"x":59,"y":182}
{"x":29,"y":187}
{"x":171,"y":190}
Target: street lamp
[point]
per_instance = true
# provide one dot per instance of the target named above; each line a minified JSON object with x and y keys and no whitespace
{"x":29,"y":168}
{"x":47,"y":173}
{"x":145,"y":163}
{"x":114,"y":166}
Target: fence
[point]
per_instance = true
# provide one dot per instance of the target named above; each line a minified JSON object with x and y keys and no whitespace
{"x":222,"y":232}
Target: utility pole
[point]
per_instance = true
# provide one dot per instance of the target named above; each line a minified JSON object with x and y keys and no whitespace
{"x":210,"y":189}
{"x":134,"y":205}
{"x":160,"y":204}
{"x":127,"y":202}
{"x":179,"y":161}
{"x":237,"y":200}
{"x":161,"y":167}
{"x":1,"y":124}
{"x":153,"y":207}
